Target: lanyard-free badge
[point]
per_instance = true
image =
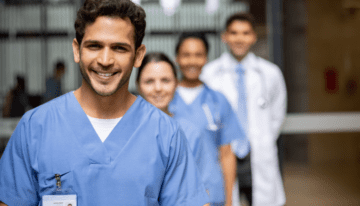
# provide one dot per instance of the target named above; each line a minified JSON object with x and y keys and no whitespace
{"x":60,"y":197}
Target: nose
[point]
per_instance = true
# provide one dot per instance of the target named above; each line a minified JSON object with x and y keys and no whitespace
{"x":158,"y":86}
{"x":106,"y":58}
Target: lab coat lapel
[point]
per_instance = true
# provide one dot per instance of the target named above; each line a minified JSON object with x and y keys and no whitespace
{"x":124,"y":130}
{"x":84,"y":132}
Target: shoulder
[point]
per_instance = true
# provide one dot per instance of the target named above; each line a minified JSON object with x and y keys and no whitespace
{"x":216,"y":95}
{"x":213,"y":66}
{"x":269,"y":68}
{"x":163,"y":122}
{"x":40,"y":114}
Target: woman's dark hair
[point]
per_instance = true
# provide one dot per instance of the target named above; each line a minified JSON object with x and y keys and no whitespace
{"x":240,"y":17}
{"x":155,"y":57}
{"x":92,"y":9}
{"x":195,"y":35}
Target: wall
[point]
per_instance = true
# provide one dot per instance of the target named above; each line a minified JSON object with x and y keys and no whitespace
{"x":35,"y":57}
{"x":333,"y":39}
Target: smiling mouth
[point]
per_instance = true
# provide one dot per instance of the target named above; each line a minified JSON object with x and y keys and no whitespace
{"x":193,"y":69}
{"x":102,"y":74}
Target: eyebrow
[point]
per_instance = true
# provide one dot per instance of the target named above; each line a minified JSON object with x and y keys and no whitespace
{"x":113,"y":44}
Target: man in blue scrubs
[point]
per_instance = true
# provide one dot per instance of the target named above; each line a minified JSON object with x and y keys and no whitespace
{"x":100,"y":142}
{"x":210,"y":111}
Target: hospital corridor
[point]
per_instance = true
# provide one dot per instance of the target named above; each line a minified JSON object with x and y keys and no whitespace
{"x":261,"y":94}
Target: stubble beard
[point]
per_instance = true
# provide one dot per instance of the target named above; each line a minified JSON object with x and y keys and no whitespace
{"x":122,"y":82}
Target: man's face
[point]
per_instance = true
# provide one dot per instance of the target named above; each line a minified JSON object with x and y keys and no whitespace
{"x":191,"y":58}
{"x":239,"y":36}
{"x":107,"y":54}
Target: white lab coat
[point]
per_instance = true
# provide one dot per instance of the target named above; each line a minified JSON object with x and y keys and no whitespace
{"x":262,"y":79}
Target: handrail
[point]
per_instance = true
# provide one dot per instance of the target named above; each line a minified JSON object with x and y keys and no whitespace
{"x":295,"y":123}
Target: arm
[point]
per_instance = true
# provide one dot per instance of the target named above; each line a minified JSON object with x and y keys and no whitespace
{"x":2,"y":204}
{"x":278,"y":103}
{"x":18,"y":184}
{"x":228,"y":163}
{"x":182,"y":183}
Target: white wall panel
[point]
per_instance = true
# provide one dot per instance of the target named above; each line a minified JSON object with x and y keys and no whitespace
{"x":3,"y":18}
{"x":15,"y":62}
{"x":60,"y":17}
{"x":24,"y":17}
{"x":165,"y":44}
{"x":156,"y":19}
{"x":36,"y":77}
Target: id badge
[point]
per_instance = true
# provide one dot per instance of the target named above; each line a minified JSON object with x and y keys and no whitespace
{"x":60,"y":197}
{"x":59,"y":200}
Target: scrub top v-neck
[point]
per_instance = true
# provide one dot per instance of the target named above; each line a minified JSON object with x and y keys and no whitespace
{"x":145,"y":160}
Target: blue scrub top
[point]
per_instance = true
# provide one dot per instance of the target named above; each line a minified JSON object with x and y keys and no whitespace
{"x":219,"y":128}
{"x":145,"y":160}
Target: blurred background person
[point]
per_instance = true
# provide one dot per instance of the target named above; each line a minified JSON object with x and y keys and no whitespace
{"x":210,"y":111}
{"x":16,"y":100}
{"x":156,"y":82}
{"x":256,"y":89}
{"x":53,"y":84}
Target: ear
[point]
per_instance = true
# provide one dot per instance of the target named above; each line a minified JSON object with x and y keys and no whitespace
{"x":76,"y":50}
{"x":139,"y":55}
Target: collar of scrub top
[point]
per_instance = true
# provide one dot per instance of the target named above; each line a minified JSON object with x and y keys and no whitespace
{"x":206,"y":109}
{"x":230,"y":63}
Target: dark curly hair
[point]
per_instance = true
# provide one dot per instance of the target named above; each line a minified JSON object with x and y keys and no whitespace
{"x":92,"y":9}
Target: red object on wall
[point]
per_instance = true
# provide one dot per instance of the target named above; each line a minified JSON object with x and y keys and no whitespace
{"x":331,"y":76}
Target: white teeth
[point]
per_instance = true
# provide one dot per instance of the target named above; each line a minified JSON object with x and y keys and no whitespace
{"x":105,"y":74}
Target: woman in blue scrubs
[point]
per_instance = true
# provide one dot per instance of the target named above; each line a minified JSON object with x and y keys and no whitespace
{"x":157,"y":83}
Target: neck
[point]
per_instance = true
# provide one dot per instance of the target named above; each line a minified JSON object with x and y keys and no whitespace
{"x":104,"y":107}
{"x":190,"y":83}
{"x":239,"y":58}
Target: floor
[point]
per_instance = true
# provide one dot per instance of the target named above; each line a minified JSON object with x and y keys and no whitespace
{"x":326,"y":184}
{"x":322,"y":184}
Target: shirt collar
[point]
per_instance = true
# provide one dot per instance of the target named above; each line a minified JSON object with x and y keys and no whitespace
{"x":230,"y":62}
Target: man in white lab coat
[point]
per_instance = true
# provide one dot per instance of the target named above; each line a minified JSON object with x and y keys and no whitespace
{"x":256,"y":91}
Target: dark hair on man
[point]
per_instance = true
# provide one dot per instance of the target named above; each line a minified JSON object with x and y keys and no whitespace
{"x":92,"y":9}
{"x":241,"y":17}
{"x":60,"y":65}
{"x":155,"y":57}
{"x":195,"y":35}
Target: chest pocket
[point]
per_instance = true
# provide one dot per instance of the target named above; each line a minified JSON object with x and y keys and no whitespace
{"x":47,"y":182}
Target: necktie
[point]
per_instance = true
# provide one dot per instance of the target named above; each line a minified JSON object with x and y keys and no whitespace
{"x":241,"y":146}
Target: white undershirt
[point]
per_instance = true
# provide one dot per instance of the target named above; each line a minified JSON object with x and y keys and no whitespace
{"x":189,"y":94}
{"x":103,"y":127}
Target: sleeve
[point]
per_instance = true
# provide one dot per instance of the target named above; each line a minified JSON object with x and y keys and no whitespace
{"x":17,"y":179}
{"x":206,"y":72}
{"x":231,"y":129}
{"x":182,"y":183}
{"x":278,"y":103}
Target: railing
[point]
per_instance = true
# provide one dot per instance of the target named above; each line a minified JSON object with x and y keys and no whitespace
{"x":298,"y":123}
